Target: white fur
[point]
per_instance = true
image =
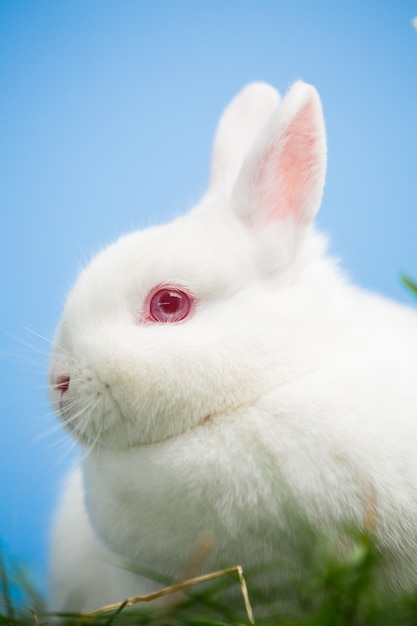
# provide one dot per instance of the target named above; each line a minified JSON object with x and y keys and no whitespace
{"x":288,"y":388}
{"x":240,"y":125}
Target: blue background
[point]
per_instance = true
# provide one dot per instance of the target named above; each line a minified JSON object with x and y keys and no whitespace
{"x":107,"y":111}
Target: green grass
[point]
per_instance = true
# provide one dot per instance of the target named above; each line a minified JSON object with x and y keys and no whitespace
{"x":410,"y":284}
{"x":332,"y":591}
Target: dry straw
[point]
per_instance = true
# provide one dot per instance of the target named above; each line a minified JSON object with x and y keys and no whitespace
{"x":188,"y":578}
{"x":198,"y":580}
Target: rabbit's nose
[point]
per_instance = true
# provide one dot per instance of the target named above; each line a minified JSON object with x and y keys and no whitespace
{"x":62,"y":383}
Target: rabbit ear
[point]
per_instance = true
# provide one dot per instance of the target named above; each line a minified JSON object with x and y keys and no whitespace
{"x":239,"y":126}
{"x":282,"y":177}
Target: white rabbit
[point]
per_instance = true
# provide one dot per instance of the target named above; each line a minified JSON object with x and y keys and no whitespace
{"x":220,"y":371}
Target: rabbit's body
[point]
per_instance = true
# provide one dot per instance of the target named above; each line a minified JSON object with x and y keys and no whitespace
{"x":282,"y":388}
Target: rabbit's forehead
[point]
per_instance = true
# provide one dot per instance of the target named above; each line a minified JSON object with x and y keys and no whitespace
{"x":196,"y":247}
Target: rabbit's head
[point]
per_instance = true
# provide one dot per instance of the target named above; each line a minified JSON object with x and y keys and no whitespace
{"x":177,"y":324}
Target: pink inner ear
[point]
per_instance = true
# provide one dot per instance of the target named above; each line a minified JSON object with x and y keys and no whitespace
{"x":288,"y":173}
{"x":297,"y":162}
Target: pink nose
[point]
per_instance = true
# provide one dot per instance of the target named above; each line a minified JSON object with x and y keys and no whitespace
{"x":62,"y":383}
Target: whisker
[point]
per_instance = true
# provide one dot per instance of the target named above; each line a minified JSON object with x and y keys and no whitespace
{"x":48,"y":428}
{"x":93,"y":444}
{"x":37,"y":334}
{"x":60,"y":424}
{"x":93,"y":447}
{"x":57,"y":426}
{"x":66,"y":443}
{"x":29,"y":352}
{"x":64,"y":352}
{"x":52,"y":343}
{"x":25,"y":359}
{"x":30,"y":346}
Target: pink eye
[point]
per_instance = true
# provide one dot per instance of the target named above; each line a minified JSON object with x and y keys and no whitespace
{"x":169,"y":305}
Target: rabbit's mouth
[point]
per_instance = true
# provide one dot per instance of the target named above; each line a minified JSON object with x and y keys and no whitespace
{"x":59,"y":394}
{"x":85,"y":413}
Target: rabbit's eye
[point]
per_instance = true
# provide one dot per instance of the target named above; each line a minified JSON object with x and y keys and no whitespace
{"x":169,"y":305}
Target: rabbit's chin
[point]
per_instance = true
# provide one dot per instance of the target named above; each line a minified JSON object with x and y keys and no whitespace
{"x":123,"y":438}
